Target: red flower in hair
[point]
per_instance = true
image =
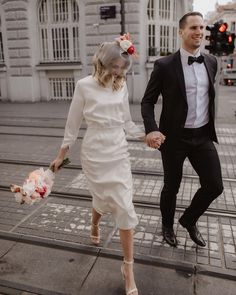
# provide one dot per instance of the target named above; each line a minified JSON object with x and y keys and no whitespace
{"x":126,"y":44}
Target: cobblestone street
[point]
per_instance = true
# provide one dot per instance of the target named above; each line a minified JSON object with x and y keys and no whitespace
{"x":61,"y":222}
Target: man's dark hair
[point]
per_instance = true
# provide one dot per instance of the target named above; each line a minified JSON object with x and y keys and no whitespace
{"x":183,"y":19}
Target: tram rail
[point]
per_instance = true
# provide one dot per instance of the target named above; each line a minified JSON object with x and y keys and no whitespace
{"x":61,"y":127}
{"x":85,"y":196}
{"x":79,"y":167}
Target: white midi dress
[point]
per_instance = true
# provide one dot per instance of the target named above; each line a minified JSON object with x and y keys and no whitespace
{"x":104,"y":151}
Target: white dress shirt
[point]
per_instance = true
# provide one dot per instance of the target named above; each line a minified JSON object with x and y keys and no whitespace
{"x":197,"y":85}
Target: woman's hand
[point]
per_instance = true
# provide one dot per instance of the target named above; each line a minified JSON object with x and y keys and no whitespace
{"x":155,"y":139}
{"x":55,"y":165}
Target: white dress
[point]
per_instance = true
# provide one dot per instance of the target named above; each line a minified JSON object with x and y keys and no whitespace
{"x":104,"y":152}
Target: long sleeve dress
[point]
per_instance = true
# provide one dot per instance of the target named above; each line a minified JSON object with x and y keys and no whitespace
{"x":104,"y":151}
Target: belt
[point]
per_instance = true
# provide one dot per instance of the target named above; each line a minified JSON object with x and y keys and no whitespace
{"x":195,"y":132}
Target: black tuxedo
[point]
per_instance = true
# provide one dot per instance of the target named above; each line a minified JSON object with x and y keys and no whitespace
{"x":167,"y":79}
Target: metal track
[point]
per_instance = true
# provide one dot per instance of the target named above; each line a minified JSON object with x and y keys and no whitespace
{"x":79,"y":167}
{"x":32,"y":125}
{"x":85,"y":196}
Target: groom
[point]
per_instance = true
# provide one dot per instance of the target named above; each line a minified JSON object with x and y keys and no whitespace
{"x":185,"y":80}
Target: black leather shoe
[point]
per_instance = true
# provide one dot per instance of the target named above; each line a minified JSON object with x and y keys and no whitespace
{"x":195,"y":234}
{"x":169,"y":236}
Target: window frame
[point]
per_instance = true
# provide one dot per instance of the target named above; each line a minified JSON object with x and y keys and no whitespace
{"x":162,"y":27}
{"x":58,"y":23}
{"x":1,"y":44}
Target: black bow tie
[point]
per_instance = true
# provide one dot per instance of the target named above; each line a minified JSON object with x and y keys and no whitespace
{"x":192,"y":59}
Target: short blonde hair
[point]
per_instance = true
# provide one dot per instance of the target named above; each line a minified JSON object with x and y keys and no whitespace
{"x":102,"y":61}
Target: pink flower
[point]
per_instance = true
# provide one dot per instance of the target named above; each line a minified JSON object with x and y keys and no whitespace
{"x":37,"y":185}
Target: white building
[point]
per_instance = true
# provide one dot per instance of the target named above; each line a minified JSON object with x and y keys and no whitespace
{"x":47,"y":45}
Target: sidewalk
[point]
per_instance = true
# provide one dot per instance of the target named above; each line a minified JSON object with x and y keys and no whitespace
{"x":45,"y":248}
{"x":43,"y":270}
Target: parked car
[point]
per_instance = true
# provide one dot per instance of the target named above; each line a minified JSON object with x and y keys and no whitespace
{"x":228,"y":76}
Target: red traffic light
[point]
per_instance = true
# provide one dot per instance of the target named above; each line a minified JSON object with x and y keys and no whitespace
{"x":223,"y":27}
{"x":221,"y":41}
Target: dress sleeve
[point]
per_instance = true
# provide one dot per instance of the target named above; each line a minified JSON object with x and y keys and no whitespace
{"x":75,"y":118}
{"x":131,"y":128}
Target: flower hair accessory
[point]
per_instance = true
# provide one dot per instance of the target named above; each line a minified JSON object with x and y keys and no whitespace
{"x":126,"y":44}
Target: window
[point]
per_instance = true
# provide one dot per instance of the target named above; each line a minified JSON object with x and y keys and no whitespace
{"x":174,"y":39}
{"x":164,"y":40}
{"x":164,"y":9}
{"x":175,"y":10}
{"x":59,"y":30}
{"x":152,"y":50}
{"x":233,"y":27}
{"x":162,"y":27}
{"x":61,"y":87}
{"x":1,"y":45}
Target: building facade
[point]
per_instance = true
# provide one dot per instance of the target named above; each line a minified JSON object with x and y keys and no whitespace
{"x":47,"y":45}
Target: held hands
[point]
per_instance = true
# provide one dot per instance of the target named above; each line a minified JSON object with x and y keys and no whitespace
{"x":155,"y":139}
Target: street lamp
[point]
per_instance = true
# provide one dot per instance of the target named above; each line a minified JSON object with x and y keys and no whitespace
{"x":122,"y":16}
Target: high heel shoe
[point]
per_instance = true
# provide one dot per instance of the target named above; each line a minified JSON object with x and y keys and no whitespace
{"x":130,"y":291}
{"x":95,"y":239}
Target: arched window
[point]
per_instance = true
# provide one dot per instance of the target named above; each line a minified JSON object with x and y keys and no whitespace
{"x":59,"y":30}
{"x":1,"y":44}
{"x":162,"y":27}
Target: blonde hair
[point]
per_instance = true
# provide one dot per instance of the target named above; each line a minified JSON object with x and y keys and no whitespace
{"x":102,"y":62}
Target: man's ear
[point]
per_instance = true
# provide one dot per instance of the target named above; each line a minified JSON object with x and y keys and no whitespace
{"x":180,"y":32}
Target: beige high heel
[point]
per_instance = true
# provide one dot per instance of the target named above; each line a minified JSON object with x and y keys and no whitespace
{"x":128,"y":292}
{"x":95,"y":239}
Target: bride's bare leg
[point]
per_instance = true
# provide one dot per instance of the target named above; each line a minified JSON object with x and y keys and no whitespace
{"x":126,"y":237}
{"x":95,"y":235}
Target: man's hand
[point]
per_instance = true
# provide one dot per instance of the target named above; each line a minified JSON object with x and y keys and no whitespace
{"x":155,"y":139}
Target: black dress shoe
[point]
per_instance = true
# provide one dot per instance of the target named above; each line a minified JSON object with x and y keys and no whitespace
{"x":169,"y":236}
{"x":195,"y":234}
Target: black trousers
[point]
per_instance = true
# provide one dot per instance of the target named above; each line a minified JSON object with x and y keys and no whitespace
{"x":195,"y":145}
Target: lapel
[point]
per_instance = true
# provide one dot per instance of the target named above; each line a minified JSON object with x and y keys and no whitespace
{"x":210,"y":73}
{"x":179,"y":73}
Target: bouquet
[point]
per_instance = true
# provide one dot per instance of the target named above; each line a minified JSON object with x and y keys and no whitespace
{"x":37,"y":186}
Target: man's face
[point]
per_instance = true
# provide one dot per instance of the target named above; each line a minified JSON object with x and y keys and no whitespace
{"x":192,"y":33}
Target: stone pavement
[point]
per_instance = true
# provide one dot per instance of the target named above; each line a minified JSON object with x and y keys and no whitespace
{"x":45,"y":248}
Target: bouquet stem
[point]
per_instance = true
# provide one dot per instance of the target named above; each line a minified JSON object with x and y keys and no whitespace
{"x":65,"y":162}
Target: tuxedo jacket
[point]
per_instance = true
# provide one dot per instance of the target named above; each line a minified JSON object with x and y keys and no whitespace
{"x":167,"y":80}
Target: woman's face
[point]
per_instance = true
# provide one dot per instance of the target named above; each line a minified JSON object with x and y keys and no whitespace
{"x":118,"y":67}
